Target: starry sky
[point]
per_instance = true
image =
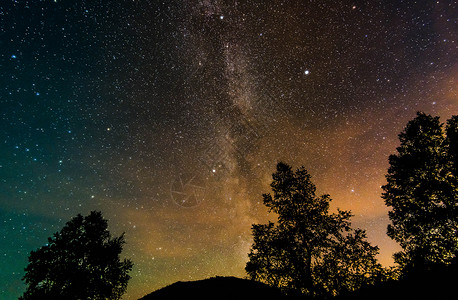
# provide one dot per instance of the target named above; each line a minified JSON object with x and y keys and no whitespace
{"x":170,"y":116}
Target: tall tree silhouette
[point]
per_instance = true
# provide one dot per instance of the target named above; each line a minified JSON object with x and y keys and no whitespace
{"x":421,"y":191}
{"x":79,"y":262}
{"x":451,"y":143}
{"x":308,"y":249}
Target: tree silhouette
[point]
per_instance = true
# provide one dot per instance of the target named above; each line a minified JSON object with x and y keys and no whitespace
{"x":451,"y":143}
{"x":422,"y":191}
{"x":309,"y":250}
{"x":79,"y":262}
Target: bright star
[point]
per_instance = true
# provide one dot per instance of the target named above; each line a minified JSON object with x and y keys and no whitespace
{"x":306,"y":72}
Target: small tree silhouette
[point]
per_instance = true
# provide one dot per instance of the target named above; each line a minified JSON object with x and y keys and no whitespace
{"x":422,"y":192}
{"x":79,"y":262}
{"x":309,"y":250}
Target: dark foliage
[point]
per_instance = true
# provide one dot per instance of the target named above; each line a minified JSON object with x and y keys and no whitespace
{"x":451,"y":144}
{"x":79,"y":262}
{"x":309,"y":250}
{"x":422,"y":192}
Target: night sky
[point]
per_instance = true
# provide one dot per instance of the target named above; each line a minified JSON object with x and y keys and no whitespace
{"x":170,"y":116}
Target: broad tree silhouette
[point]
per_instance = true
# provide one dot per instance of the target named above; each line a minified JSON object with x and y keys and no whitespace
{"x":79,"y":262}
{"x":422,"y":192}
{"x":309,"y":250}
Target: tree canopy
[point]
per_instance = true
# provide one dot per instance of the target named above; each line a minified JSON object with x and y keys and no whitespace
{"x":422,"y":192}
{"x":79,"y":262}
{"x":308,"y":249}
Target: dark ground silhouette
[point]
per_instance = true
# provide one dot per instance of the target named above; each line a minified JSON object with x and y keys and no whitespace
{"x":222,"y":288}
{"x":440,"y":282}
{"x":437,"y":283}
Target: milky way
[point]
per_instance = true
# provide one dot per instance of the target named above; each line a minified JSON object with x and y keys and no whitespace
{"x":170,"y":118}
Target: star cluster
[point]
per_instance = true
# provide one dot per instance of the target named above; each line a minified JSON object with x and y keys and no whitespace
{"x":170,"y":116}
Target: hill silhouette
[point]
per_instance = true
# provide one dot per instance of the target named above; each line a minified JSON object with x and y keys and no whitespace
{"x":223,"y":288}
{"x":439,"y":282}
